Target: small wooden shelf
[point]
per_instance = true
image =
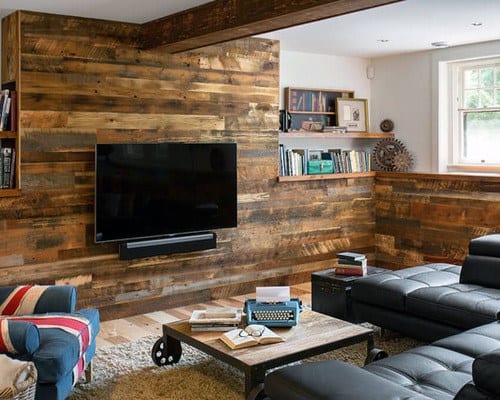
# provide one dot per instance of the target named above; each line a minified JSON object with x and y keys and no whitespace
{"x":8,"y":134}
{"x":325,"y":177}
{"x":313,"y":112}
{"x":10,"y":192}
{"x":334,"y":135}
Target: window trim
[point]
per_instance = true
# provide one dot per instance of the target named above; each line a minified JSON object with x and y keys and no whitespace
{"x":456,"y":112}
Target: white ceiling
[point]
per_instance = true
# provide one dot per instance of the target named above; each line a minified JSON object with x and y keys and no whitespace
{"x":409,"y":26}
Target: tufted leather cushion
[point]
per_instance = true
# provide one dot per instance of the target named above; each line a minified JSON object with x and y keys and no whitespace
{"x":488,"y":245}
{"x":436,"y":371}
{"x":390,"y":289}
{"x":460,"y":305}
{"x":334,"y":380}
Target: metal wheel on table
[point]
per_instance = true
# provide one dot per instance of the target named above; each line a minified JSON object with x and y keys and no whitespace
{"x":257,"y":393}
{"x":163,"y":354}
{"x":375,"y":355}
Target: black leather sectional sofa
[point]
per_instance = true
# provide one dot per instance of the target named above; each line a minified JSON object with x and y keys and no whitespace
{"x":455,"y":308}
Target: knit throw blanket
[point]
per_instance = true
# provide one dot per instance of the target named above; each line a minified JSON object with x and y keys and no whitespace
{"x":22,"y":300}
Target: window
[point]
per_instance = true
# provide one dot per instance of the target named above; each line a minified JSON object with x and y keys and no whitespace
{"x":476,"y":113}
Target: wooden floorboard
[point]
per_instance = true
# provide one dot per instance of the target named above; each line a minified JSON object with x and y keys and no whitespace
{"x":124,"y":330}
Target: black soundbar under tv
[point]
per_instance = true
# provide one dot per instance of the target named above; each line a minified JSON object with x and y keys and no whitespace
{"x":168,"y":245}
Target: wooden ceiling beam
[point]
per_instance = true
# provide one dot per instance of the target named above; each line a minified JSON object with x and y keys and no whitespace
{"x":222,"y":20}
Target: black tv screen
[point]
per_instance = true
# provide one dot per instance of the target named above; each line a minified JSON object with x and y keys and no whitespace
{"x":157,"y":189}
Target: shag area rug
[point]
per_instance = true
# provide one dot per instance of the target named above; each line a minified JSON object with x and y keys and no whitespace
{"x":127,"y":372}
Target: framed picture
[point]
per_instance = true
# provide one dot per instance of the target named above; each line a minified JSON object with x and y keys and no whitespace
{"x":353,"y":114}
{"x":314,"y":155}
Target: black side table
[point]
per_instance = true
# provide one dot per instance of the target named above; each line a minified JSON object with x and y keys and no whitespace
{"x":331,"y":293}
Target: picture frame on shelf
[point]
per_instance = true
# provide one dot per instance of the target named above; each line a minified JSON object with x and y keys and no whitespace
{"x":353,"y":114}
{"x":314,"y":155}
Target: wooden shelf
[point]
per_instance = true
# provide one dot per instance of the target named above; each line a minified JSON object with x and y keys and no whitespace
{"x":8,"y":134}
{"x":325,"y":177}
{"x":10,"y":192}
{"x":312,"y":112}
{"x":334,"y":135}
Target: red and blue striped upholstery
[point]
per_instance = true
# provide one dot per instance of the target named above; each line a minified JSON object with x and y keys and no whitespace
{"x":18,"y":337}
{"x":26,"y":300}
{"x":40,"y":324}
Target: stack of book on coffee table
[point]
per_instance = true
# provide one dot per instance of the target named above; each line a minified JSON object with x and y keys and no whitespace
{"x":351,"y":264}
{"x":215,"y":319}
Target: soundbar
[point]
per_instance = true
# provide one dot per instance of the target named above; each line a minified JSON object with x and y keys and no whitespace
{"x":167,"y":245}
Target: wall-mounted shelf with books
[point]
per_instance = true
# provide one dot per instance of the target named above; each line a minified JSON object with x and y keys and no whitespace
{"x":323,"y":177}
{"x":334,"y":135}
{"x":313,"y":105}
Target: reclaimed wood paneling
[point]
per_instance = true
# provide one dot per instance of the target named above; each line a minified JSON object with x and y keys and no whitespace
{"x":424,"y":218}
{"x":219,"y":21}
{"x":85,"y":82}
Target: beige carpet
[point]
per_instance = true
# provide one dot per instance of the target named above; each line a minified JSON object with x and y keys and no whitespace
{"x":127,"y":372}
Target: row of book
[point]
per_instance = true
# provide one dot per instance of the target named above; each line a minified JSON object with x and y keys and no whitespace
{"x":311,"y":101}
{"x":350,"y":263}
{"x":293,"y":162}
{"x":8,"y":100}
{"x":7,"y":163}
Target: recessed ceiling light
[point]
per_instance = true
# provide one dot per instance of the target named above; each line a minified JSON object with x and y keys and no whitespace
{"x":439,"y":44}
{"x":477,"y":24}
{"x":382,"y":40}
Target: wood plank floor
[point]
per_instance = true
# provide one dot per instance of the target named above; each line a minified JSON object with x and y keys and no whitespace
{"x":129,"y":329}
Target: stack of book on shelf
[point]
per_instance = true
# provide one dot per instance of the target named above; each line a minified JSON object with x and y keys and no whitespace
{"x":293,"y":162}
{"x":215,"y":319}
{"x":7,"y":110}
{"x":351,"y":264}
{"x":7,"y":166}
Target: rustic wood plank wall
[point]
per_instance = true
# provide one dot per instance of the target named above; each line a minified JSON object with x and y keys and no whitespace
{"x":85,"y":82}
{"x":424,"y":218}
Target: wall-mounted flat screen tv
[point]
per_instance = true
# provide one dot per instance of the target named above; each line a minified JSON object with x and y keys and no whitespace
{"x":146,"y":190}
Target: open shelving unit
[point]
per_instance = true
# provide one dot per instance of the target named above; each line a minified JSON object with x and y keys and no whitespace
{"x":307,"y":105}
{"x":10,"y":80}
{"x":313,"y":105}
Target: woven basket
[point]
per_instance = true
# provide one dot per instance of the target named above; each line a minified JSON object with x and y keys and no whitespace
{"x":24,"y":390}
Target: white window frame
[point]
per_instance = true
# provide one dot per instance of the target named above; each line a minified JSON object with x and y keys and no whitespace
{"x":456,"y":112}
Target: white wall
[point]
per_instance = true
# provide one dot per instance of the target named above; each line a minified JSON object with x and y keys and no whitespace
{"x":406,"y":90}
{"x":323,"y":71}
{"x":311,"y":70}
{"x":401,"y":91}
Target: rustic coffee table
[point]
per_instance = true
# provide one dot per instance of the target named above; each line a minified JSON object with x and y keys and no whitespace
{"x":314,"y":334}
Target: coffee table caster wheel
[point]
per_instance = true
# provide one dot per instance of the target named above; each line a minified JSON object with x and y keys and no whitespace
{"x":165,"y":355}
{"x":375,"y":355}
{"x":257,"y":393}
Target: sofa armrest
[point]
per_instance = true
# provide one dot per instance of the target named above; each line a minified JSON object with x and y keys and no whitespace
{"x":26,"y":300}
{"x":481,"y":270}
{"x":485,"y":373}
{"x":18,"y":337}
{"x":486,"y":370}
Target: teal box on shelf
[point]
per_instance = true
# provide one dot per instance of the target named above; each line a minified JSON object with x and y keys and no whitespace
{"x":315,"y":167}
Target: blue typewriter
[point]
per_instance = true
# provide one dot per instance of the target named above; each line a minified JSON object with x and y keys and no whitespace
{"x":280,"y":314}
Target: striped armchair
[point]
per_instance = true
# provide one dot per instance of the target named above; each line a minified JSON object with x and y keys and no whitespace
{"x":40,"y":324}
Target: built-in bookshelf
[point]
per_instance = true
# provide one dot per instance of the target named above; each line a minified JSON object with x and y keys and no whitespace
{"x":345,"y":162}
{"x":10,"y":144}
{"x":308,"y":105}
{"x":347,"y":154}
